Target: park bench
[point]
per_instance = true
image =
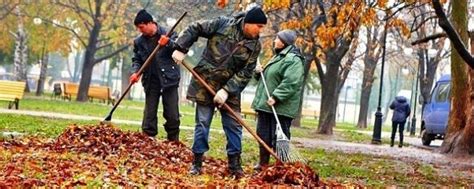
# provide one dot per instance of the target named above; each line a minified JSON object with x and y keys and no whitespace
{"x":246,"y":110}
{"x":12,"y":91}
{"x":101,"y":93}
{"x":57,"y":91}
{"x":70,"y":90}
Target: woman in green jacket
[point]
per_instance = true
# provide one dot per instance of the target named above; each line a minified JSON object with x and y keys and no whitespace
{"x":284,"y":78}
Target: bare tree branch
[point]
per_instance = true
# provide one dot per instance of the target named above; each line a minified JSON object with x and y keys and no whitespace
{"x":429,"y":38}
{"x":103,"y":46}
{"x":453,"y":35}
{"x":6,"y":8}
{"x":422,"y":23}
{"x":111,"y":54}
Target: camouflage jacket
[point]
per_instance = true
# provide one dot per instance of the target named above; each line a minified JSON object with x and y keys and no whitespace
{"x":227,"y":62}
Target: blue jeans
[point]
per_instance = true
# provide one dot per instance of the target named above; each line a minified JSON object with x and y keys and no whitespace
{"x":232,"y":129}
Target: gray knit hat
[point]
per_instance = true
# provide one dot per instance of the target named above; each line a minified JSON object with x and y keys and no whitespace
{"x":287,"y":36}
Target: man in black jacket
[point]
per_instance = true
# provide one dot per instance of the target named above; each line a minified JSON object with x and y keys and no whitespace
{"x":160,"y":78}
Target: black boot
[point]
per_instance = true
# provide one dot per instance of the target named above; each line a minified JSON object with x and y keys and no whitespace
{"x":235,"y":167}
{"x":173,"y":137}
{"x":264,"y":159}
{"x":391,"y":142}
{"x":400,"y":144}
{"x":197,"y":164}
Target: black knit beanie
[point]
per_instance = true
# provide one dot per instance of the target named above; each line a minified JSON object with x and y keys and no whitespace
{"x":255,"y":16}
{"x":287,"y":36}
{"x":142,"y":17}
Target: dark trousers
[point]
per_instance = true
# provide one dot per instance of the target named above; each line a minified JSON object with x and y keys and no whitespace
{"x":401,"y":126}
{"x":170,"y":111}
{"x":266,"y":127}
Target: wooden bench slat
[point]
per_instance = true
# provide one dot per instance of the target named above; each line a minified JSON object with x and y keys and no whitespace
{"x":12,"y":91}
{"x":95,"y":92}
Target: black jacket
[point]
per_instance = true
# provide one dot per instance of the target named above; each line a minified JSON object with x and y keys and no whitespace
{"x":401,"y":109}
{"x":162,"y":66}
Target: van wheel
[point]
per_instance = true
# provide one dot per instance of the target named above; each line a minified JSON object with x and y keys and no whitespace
{"x":425,"y":138}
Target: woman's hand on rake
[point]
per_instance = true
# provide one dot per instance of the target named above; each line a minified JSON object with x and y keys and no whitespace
{"x":271,"y":101}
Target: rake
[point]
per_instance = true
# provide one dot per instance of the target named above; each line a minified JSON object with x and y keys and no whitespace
{"x":229,"y":109}
{"x":283,"y":147}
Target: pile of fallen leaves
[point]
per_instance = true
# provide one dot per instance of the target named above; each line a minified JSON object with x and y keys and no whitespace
{"x":102,"y":155}
{"x":288,"y":173}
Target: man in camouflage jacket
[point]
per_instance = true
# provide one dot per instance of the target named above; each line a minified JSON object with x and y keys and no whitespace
{"x":227,"y":65}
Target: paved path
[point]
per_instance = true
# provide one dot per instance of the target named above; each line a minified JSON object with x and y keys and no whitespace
{"x":405,"y":153}
{"x":412,"y":140}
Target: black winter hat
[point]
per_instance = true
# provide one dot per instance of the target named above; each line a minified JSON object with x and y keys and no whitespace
{"x":255,"y":16}
{"x":142,"y":17}
{"x":287,"y":36}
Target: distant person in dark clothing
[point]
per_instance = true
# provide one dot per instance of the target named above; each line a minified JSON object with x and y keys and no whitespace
{"x":401,"y":111}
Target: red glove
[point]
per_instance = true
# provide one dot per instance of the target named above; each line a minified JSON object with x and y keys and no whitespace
{"x":163,"y":40}
{"x":134,"y":78}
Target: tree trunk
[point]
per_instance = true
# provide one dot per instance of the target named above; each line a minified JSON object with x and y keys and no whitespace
{"x":86,"y":75}
{"x":370,"y":64}
{"x":427,"y":67}
{"x":43,"y":73}
{"x":21,"y":52}
{"x":459,"y":132}
{"x":329,"y":98}
{"x":89,"y":57}
{"x":367,"y":82}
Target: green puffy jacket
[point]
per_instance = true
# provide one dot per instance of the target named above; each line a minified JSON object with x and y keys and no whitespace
{"x":228,"y":61}
{"x":284,"y":77}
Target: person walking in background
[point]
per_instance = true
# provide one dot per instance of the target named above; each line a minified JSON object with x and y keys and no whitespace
{"x":227,"y":64}
{"x":401,"y":111}
{"x":160,"y":78}
{"x":284,"y":79}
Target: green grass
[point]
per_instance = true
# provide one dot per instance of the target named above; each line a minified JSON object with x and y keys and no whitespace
{"x":133,"y":110}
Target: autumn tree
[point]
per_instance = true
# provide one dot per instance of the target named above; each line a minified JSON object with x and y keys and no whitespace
{"x":45,"y":38}
{"x":460,"y":131}
{"x":373,"y":35}
{"x":98,"y":28}
{"x":329,"y":29}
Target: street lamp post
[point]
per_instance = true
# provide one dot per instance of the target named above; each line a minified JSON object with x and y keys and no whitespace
{"x":376,"y":136}
{"x":411,"y":101}
{"x":413,"y":118}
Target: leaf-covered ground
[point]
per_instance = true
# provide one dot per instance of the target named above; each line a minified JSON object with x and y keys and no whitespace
{"x":101,"y":155}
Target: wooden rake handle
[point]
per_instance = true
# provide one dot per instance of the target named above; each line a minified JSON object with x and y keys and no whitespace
{"x":228,"y":109}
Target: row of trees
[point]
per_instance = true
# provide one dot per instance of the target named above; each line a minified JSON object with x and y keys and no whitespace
{"x":331,"y":34}
{"x":329,"y":30}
